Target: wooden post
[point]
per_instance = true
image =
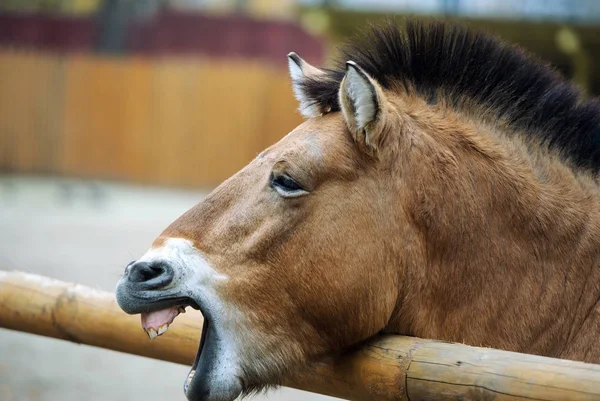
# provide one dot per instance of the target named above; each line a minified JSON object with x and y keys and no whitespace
{"x":386,"y":369}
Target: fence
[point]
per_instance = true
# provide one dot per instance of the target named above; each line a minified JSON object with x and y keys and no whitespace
{"x":388,"y":368}
{"x":183,"y":121}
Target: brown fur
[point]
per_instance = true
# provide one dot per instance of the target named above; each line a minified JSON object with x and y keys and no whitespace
{"x":455,"y":229}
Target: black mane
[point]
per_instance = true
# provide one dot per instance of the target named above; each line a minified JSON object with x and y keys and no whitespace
{"x":441,"y":59}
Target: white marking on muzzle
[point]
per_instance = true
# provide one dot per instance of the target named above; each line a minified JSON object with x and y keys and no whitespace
{"x":190,"y":266}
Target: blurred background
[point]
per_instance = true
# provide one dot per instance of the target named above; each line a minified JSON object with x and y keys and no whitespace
{"x":118,"y":115}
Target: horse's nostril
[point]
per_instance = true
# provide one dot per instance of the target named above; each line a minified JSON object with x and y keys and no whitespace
{"x":154,"y":274}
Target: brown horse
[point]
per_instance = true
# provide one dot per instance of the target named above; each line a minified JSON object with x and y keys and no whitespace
{"x":443,"y":185}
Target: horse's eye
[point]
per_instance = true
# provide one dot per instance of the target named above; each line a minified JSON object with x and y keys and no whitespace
{"x":286,"y":186}
{"x":285,"y":182}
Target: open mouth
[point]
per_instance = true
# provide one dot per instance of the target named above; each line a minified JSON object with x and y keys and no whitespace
{"x":155,"y":323}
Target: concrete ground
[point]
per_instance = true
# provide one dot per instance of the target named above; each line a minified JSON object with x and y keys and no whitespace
{"x":85,"y":232}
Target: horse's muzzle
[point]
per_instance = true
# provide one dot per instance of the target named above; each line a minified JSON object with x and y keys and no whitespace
{"x":145,"y":287}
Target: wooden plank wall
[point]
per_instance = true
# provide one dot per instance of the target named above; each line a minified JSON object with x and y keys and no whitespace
{"x":180,"y":122}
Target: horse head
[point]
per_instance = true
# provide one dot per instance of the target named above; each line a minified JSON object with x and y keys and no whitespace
{"x":407,"y":202}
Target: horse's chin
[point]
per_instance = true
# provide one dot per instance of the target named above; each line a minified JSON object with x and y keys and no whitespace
{"x":214,"y":373}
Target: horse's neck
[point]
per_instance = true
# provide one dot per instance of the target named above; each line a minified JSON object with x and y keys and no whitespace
{"x":583,"y":341}
{"x":520,"y":270}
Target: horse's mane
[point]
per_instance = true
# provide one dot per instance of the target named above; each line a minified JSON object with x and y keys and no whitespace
{"x":441,"y":59}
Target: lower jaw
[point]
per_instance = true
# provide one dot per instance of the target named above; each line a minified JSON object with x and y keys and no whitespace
{"x":190,"y":377}
{"x":207,"y":381}
{"x":213,"y":376}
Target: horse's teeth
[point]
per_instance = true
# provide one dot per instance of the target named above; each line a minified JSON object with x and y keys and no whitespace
{"x":181,"y":309}
{"x":190,"y":377}
{"x":152,"y":334}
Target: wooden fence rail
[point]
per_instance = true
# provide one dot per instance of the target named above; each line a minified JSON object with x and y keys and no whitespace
{"x":175,"y":121}
{"x":388,"y":368}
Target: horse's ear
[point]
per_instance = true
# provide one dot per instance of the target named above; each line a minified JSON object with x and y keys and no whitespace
{"x":361,"y":100}
{"x":300,"y":72}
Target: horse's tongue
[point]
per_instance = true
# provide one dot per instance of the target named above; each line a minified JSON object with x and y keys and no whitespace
{"x":155,"y":320}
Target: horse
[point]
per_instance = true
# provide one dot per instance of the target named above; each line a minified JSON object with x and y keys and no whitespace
{"x":443,"y":185}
